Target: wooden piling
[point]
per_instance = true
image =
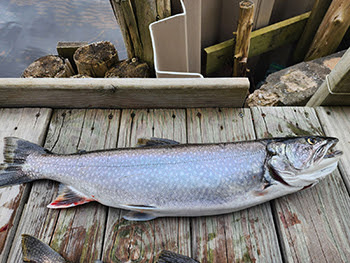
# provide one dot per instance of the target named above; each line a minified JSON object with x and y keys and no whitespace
{"x":245,"y":25}
{"x":331,"y":31}
{"x":318,"y":11}
{"x":134,"y":18}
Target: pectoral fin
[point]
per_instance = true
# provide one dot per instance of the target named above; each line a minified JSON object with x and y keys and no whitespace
{"x":69,"y":197}
{"x":138,"y":216}
{"x":143,"y":142}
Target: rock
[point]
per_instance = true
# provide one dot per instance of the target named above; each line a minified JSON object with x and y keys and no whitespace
{"x":50,"y":66}
{"x":95,"y":59}
{"x":295,"y":85}
{"x":130,"y":68}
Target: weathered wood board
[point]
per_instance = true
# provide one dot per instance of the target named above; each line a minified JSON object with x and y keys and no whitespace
{"x":312,"y":224}
{"x":123,"y":93}
{"x":235,"y":237}
{"x":29,"y":124}
{"x":127,"y":241}
{"x":336,"y":122}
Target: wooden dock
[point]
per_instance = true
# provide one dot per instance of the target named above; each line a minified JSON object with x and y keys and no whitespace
{"x":310,"y":226}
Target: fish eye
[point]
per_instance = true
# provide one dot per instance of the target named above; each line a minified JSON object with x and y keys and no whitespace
{"x":311,"y":141}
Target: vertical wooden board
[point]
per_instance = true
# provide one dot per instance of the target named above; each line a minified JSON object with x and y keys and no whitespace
{"x":29,"y":124}
{"x":336,"y":122}
{"x":127,"y":241}
{"x":244,"y":236}
{"x":313,"y":224}
{"x":78,"y":234}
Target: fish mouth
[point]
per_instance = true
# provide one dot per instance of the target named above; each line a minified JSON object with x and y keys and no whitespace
{"x":331,"y":152}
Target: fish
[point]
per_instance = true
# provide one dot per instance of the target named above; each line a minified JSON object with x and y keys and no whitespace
{"x":36,"y":251}
{"x":163,"y":178}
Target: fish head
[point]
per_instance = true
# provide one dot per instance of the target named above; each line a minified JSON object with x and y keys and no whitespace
{"x":302,"y":161}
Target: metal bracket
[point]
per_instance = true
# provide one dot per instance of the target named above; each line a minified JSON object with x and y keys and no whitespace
{"x":334,"y":93}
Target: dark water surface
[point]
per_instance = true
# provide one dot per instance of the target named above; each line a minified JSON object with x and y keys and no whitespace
{"x":30,"y":29}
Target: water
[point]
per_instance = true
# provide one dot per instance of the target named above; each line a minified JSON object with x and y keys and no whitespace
{"x":30,"y":29}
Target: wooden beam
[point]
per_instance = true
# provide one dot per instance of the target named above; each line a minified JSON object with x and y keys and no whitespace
{"x":134,"y":18}
{"x":317,"y":13}
{"x":123,"y":93}
{"x":331,"y":31}
{"x":335,"y":90}
{"x":262,"y":41}
{"x":244,"y":29}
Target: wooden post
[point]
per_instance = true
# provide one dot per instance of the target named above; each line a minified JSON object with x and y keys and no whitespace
{"x":317,"y":13}
{"x":134,"y":18}
{"x":338,"y":83}
{"x":245,"y":25}
{"x":331,"y":31}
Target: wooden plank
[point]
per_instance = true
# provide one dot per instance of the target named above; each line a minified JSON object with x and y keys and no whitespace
{"x":313,"y":224}
{"x":331,"y":30}
{"x":336,"y":122}
{"x":29,"y":124}
{"x":127,"y":241}
{"x":123,"y":93}
{"x":244,"y":236}
{"x":75,"y":227}
{"x":78,"y":234}
{"x":263,"y":11}
{"x":317,"y":13}
{"x":338,"y":83}
{"x":262,"y":41}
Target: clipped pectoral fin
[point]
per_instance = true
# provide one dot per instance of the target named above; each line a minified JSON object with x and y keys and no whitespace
{"x":144,"y":142}
{"x":34,"y":250}
{"x":139,"y":216}
{"x":69,"y":197}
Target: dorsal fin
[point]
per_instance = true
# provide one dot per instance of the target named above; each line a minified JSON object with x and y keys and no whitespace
{"x":145,"y":142}
{"x":69,"y":197}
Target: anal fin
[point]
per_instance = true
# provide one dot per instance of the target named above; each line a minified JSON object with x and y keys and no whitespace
{"x":69,"y":197}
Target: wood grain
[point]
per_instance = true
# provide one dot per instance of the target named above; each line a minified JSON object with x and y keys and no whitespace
{"x":331,"y":30}
{"x":318,"y":11}
{"x":336,"y":122}
{"x":312,"y":224}
{"x":123,"y":93}
{"x":244,"y":28}
{"x":142,"y":241}
{"x":29,"y":124}
{"x":244,"y":236}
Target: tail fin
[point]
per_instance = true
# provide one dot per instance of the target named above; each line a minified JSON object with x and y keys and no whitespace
{"x":16,"y":152}
{"x":36,"y":251}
